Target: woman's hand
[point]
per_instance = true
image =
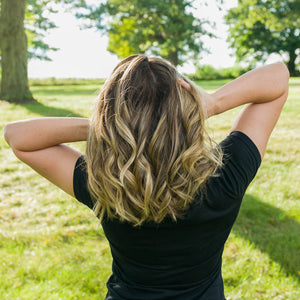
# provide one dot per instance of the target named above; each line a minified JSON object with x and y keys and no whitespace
{"x":206,"y":98}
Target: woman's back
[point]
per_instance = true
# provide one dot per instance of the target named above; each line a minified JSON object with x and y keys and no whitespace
{"x":180,"y":260}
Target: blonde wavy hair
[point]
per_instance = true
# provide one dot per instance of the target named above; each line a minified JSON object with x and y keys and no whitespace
{"x":147,"y":152}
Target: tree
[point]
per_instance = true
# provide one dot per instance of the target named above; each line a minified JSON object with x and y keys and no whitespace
{"x":259,"y":28}
{"x":14,"y":83}
{"x":22,"y":28}
{"x":166,"y":28}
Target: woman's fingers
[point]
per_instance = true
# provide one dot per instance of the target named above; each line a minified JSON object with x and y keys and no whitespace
{"x":184,"y":84}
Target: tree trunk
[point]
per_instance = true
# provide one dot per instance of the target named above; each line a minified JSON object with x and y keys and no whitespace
{"x":14,"y":83}
{"x":173,"y":57}
{"x":292,"y":62}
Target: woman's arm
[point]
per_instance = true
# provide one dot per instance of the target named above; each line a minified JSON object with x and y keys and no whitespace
{"x":39,"y":143}
{"x":260,"y":85}
{"x":36,"y":134}
{"x":265,"y":91}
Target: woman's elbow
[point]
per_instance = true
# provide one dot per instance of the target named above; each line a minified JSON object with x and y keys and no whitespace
{"x":287,"y":78}
{"x":284,"y":76}
{"x":285,"y":73}
{"x":11,"y":135}
{"x":7,"y":133}
{"x":8,"y":136}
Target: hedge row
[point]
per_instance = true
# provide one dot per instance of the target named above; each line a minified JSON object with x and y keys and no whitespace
{"x":208,"y":72}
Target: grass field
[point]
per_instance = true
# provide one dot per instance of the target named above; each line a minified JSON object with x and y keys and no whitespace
{"x":51,"y":247}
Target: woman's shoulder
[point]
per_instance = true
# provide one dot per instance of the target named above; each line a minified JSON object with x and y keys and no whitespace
{"x":80,"y":183}
{"x":241,"y":160}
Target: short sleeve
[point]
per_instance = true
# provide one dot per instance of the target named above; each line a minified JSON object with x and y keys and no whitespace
{"x":241,"y":161}
{"x":80,"y":179}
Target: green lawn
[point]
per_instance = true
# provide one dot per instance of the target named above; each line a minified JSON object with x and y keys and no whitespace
{"x":51,"y":247}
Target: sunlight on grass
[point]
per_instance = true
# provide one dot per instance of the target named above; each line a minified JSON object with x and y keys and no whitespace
{"x":51,"y":247}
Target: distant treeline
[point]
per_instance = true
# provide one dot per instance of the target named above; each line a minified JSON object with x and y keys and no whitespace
{"x":208,"y":72}
{"x":65,"y":81}
{"x":205,"y":72}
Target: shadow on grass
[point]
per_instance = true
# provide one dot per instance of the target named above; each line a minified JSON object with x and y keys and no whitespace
{"x":271,"y":231}
{"x":49,"y":111}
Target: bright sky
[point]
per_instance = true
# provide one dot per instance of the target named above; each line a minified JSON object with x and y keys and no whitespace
{"x":83,"y":53}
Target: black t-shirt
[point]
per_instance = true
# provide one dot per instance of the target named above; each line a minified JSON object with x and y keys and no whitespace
{"x":179,"y":260}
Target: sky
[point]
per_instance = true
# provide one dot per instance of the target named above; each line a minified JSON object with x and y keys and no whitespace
{"x":83,"y":53}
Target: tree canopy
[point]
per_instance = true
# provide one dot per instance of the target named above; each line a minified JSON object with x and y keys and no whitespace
{"x":37,"y":25}
{"x":165,"y":28}
{"x":259,"y":28}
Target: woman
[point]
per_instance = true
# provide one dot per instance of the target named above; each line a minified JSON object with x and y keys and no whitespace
{"x":166,"y":196}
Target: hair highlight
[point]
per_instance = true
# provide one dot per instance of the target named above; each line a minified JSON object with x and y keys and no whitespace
{"x":147,"y":152}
